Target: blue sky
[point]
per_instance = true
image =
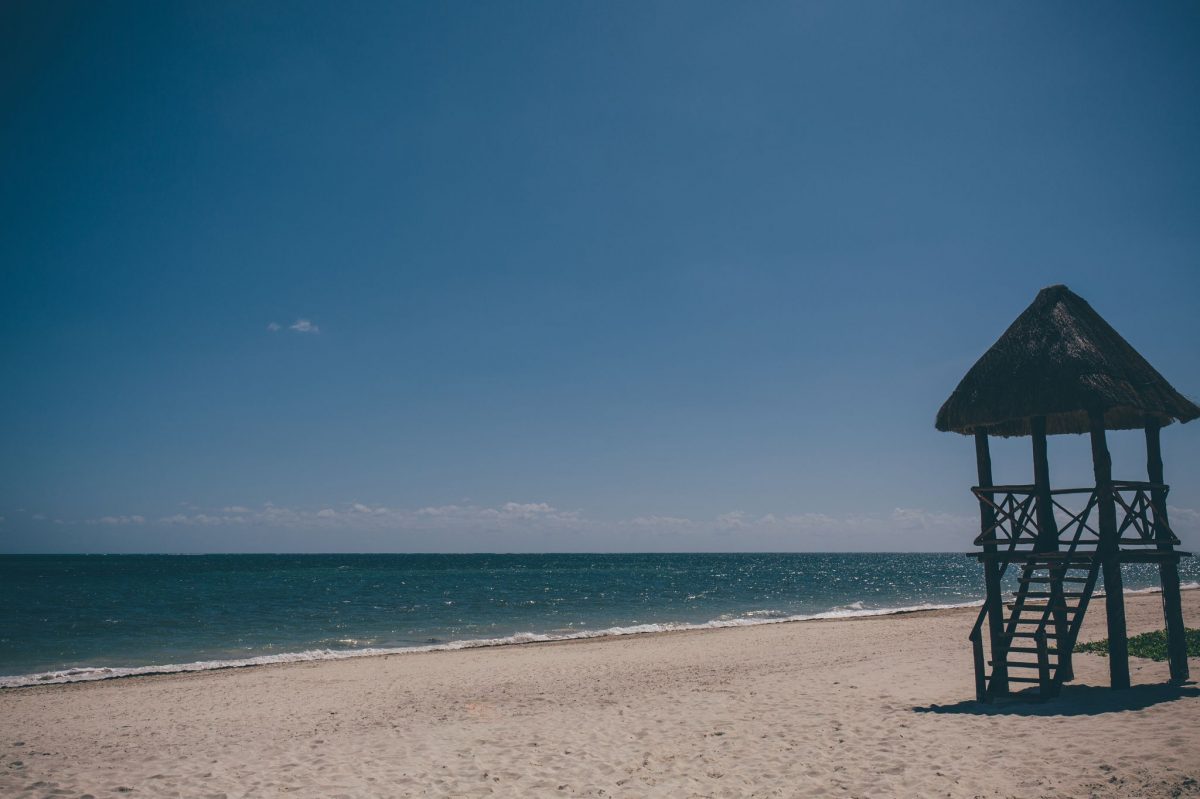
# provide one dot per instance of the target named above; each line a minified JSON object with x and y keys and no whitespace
{"x":566,"y":276}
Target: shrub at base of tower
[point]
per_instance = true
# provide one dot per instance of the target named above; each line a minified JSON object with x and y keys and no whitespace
{"x":1147,"y":645}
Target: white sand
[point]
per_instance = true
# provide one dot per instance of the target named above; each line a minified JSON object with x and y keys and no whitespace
{"x":829,"y":708}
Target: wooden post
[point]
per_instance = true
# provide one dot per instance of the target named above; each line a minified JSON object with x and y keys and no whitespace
{"x":1047,"y":538}
{"x":981,"y":683}
{"x":1110,"y":553}
{"x":1168,"y":571}
{"x":1043,"y":659}
{"x":991,"y":572}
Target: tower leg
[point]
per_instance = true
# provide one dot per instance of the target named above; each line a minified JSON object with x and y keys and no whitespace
{"x":995,"y":618}
{"x":1118,"y":639}
{"x":1066,"y":668}
{"x":1173,"y":612}
{"x":1109,"y":551}
{"x":1168,"y":571}
{"x":994,"y":601}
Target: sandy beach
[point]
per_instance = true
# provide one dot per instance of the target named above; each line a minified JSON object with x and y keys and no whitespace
{"x":864,"y":707}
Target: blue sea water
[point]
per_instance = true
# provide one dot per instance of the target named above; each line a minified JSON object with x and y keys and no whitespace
{"x":81,"y":617}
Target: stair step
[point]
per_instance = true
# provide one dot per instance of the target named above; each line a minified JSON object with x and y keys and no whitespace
{"x":1049,"y":620}
{"x":1024,"y":679}
{"x":1021,"y":664}
{"x":1052,"y":579}
{"x":1051,"y":608}
{"x":1050,"y":594}
{"x":1031,"y":635}
{"x":1053,"y":650}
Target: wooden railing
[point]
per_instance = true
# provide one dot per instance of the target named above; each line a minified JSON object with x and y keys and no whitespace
{"x":1015,"y":526}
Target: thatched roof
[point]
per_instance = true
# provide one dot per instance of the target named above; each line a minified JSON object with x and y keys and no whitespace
{"x":1059,"y":359}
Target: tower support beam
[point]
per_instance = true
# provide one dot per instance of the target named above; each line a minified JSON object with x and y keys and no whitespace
{"x":1168,"y":571}
{"x":991,"y":572}
{"x":1047,"y":537}
{"x":1109,"y":552}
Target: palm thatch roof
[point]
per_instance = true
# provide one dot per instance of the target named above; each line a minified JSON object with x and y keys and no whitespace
{"x":1060,"y":359}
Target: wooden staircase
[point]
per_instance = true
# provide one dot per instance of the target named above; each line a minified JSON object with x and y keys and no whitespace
{"x":1041,"y":624}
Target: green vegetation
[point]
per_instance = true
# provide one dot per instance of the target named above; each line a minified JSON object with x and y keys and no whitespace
{"x":1147,"y":645}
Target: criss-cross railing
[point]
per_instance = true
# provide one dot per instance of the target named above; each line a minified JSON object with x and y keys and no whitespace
{"x":1135,"y":500}
{"x":1015,"y":525}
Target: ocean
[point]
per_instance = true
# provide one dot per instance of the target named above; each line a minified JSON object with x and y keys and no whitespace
{"x":86,"y":617}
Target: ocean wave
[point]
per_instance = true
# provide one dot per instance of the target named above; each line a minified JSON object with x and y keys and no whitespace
{"x":751,"y":619}
{"x":92,"y":673}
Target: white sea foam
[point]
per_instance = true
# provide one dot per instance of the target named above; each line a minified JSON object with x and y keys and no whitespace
{"x":90,"y":673}
{"x":754,"y":618}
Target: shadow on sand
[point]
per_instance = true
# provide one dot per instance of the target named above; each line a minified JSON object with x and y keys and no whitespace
{"x":1075,"y":700}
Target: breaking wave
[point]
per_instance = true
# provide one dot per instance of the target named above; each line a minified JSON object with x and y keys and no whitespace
{"x":750,"y":619}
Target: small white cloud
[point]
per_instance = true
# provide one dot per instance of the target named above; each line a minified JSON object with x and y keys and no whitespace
{"x":920,"y":519}
{"x":808,"y":521}
{"x":734,"y":520}
{"x":659,"y":521}
{"x":326,"y":513}
{"x":115,"y":520}
{"x":235,"y":509}
{"x":439,"y":510}
{"x":273,"y":327}
{"x":1184,"y":521}
{"x":1188,"y":516}
{"x":304,"y":326}
{"x":526,"y":509}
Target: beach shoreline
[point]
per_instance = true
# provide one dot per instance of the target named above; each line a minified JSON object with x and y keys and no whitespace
{"x":80,"y":674}
{"x":72,"y":675}
{"x":866,"y":706}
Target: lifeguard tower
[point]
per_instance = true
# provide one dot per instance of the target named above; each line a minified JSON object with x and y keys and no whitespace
{"x":1060,"y":368}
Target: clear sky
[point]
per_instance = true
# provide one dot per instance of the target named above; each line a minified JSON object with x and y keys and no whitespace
{"x":566,"y":276}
